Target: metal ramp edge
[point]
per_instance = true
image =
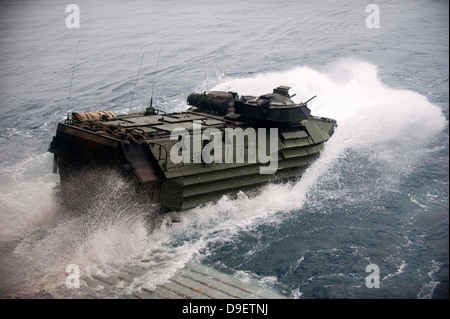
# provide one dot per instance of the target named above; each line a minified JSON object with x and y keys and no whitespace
{"x":193,"y":281}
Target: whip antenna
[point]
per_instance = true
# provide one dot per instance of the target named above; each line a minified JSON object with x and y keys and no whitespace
{"x":71,"y":79}
{"x":156,"y":70}
{"x":204,"y":70}
{"x":135,"y":82}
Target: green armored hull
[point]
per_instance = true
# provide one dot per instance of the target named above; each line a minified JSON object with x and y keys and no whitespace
{"x":222,"y":144}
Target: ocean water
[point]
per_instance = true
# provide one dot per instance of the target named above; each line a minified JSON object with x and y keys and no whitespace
{"x":378,"y":194}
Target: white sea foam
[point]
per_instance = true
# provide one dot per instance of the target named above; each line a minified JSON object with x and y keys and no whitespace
{"x":427,"y":290}
{"x":370,"y":116}
{"x":400,"y":270}
{"x":26,"y":196}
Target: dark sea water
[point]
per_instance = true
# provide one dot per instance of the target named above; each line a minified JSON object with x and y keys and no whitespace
{"x":379,"y":193}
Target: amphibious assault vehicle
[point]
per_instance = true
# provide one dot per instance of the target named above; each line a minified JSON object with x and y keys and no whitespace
{"x":224,"y":143}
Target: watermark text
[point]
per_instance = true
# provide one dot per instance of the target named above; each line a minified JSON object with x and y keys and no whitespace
{"x":73,"y":19}
{"x":373,"y":19}
{"x":228,"y":146}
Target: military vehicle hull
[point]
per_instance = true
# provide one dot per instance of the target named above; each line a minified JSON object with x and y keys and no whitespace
{"x":143,"y":145}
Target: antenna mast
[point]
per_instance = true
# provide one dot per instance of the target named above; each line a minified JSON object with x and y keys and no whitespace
{"x":135,"y":82}
{"x":71,"y":80}
{"x":204,"y":70}
{"x":156,"y":70}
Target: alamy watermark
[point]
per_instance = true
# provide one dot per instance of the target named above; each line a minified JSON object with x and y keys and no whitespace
{"x":73,"y":279}
{"x":227,"y":146}
{"x":373,"y":19}
{"x":73,"y":19}
{"x":373,"y":280}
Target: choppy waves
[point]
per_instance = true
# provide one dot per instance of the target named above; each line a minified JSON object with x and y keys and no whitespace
{"x":388,"y":128}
